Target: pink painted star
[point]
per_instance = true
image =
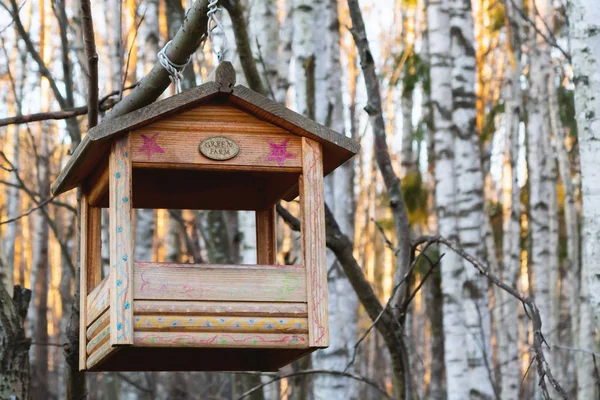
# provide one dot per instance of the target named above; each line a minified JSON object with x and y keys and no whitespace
{"x":279,"y":152}
{"x":150,"y":146}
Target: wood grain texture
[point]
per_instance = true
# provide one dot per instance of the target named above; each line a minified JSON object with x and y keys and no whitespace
{"x":312,"y":215}
{"x":231,"y":308}
{"x":101,"y":354}
{"x":224,"y":75}
{"x":160,"y":281}
{"x":121,"y":236}
{"x":98,"y":301}
{"x":266,"y":244}
{"x":169,"y":148}
{"x":99,"y":325}
{"x":96,"y":143}
{"x":215,"y":323}
{"x":223,"y":340}
{"x":83,"y":298}
{"x":101,"y":337}
{"x":96,"y":186}
{"x":94,"y":248}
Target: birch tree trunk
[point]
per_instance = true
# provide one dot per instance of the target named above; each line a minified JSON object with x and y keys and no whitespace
{"x":585,"y":42}
{"x":538,"y":167}
{"x":12,"y":210}
{"x":339,"y":192}
{"x":15,"y":380}
{"x":571,"y":280}
{"x":438,"y":24}
{"x":508,"y":340}
{"x":39,"y":282}
{"x":284,"y":53}
{"x":434,"y":298}
{"x":149,"y":36}
{"x":470,"y":206}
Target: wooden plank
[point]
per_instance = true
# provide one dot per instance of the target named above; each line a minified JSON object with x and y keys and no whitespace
{"x":224,"y":75}
{"x":222,"y":340}
{"x":102,"y":337}
{"x":196,"y":308}
{"x":83,"y":298}
{"x":94,"y":252}
{"x":266,"y":244}
{"x":312,"y":216}
{"x":121,"y":243}
{"x":216,"y":323}
{"x":98,"y":301}
{"x":90,"y":269}
{"x":100,"y":354}
{"x":97,"y":185}
{"x":169,"y":148}
{"x":97,"y":326}
{"x":97,"y":142}
{"x":161,"y":281}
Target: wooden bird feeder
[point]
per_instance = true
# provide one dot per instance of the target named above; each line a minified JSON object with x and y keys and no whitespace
{"x":215,"y":147}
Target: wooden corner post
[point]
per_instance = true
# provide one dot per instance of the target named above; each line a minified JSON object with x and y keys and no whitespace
{"x":90,"y":266}
{"x":266,"y":245}
{"x":121,"y":242}
{"x":312,"y":215}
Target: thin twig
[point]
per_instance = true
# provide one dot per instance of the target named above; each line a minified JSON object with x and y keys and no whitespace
{"x":314,"y":372}
{"x":552,"y":43}
{"x":131,"y":382}
{"x":137,"y":29}
{"x":28,"y":212}
{"x":105,"y":105}
{"x":423,"y":279}
{"x":386,"y":307}
{"x":544,"y":371}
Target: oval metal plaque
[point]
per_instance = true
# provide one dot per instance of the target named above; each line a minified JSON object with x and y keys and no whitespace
{"x":219,"y":148}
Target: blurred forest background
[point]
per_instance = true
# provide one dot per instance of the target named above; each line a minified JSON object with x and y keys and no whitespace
{"x":466,"y":114}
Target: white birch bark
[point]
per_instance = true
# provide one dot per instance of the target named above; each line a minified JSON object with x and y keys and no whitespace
{"x":470,"y":199}
{"x":39,"y":281}
{"x":508,"y":349}
{"x":12,"y":210}
{"x":438,"y":22}
{"x":538,"y":166}
{"x":146,"y":218}
{"x":303,"y":46}
{"x":339,"y":189}
{"x":264,"y":37}
{"x":571,"y":280}
{"x":584,"y":16}
{"x":432,"y":290}
{"x":284,"y":54}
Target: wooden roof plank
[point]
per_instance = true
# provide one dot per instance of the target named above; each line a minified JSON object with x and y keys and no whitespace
{"x":337,"y":147}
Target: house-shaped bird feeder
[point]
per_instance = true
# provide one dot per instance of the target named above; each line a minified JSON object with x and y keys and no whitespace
{"x":215,"y":147}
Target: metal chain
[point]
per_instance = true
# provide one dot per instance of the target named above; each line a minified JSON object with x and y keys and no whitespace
{"x":213,"y":7}
{"x":173,"y":69}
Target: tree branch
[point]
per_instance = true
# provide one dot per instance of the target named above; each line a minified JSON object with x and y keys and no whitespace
{"x":530,"y":309}
{"x":184,"y":43}
{"x":105,"y":104}
{"x":242,"y":42}
{"x":87,"y":23}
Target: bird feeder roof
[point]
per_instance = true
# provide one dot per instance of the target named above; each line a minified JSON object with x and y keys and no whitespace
{"x":220,"y":86}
